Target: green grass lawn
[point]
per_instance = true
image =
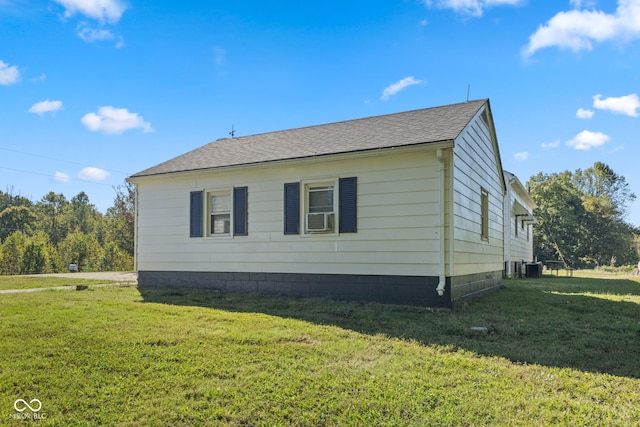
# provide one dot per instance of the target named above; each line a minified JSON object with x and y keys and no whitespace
{"x":557,"y":351}
{"x":30,"y":282}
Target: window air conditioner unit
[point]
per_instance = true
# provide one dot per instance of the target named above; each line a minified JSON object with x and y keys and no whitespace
{"x":322,"y":221}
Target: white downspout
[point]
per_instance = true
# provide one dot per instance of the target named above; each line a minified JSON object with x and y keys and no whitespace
{"x":441,"y":230}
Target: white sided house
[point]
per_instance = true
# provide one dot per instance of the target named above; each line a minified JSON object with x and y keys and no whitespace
{"x":518,"y":227}
{"x":405,"y":208}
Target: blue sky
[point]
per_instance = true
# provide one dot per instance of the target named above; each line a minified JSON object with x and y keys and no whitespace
{"x":92,"y":91}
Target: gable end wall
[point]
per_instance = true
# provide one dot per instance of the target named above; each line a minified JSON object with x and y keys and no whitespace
{"x":477,"y":263}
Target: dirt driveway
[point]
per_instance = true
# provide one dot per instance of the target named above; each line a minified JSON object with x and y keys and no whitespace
{"x":116,"y":276}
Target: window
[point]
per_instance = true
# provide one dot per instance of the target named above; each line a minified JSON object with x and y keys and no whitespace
{"x":218,"y":213}
{"x":320,"y":199}
{"x":484,"y":214}
{"x":322,"y":204}
{"x":319,"y":212}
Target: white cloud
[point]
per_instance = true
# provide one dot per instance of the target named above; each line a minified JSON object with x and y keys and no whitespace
{"x":115,"y":120}
{"x":586,"y":140}
{"x":93,"y":174}
{"x":40,"y":79}
{"x":578,"y":4}
{"x":8,"y":74}
{"x":523,"y":155}
{"x":396,"y":87}
{"x":91,"y":35}
{"x":577,"y":29}
{"x":584,"y":114}
{"x":554,"y":144}
{"x":627,"y":105}
{"x":615,"y":150}
{"x":45,"y":107}
{"x":471,"y":7}
{"x":101,"y":10}
{"x":61,"y":177}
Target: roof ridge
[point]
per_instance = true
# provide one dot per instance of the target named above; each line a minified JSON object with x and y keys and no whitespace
{"x":481,"y":100}
{"x":405,"y":128}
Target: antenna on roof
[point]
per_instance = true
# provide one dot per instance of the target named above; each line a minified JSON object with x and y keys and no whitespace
{"x":468,"y":91}
{"x":233,"y":132}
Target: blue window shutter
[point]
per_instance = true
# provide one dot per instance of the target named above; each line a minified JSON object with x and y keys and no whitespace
{"x":292,"y":208}
{"x":195,"y":214}
{"x":240,"y":226}
{"x":348,"y":188}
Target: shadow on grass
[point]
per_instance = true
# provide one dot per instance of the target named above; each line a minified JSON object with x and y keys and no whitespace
{"x":549,"y":322}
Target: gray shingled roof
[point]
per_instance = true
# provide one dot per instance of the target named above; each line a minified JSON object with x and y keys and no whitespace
{"x":423,"y":126}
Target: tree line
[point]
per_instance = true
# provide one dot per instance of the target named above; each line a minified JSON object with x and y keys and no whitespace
{"x":581,"y":221}
{"x":48,"y":235}
{"x":582,"y":218}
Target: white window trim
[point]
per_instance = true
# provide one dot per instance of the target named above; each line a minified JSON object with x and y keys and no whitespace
{"x":304,"y":205}
{"x":207,"y":212}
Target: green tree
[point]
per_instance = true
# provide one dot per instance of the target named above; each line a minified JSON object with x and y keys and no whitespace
{"x":39,"y":255}
{"x":8,"y":199}
{"x":12,"y":252}
{"x":581,"y":216}
{"x":81,"y":249}
{"x":16,"y":218}
{"x":120,"y":219}
{"x":115,"y":259}
{"x":52,"y":209}
{"x":611,"y":191}
{"x":606,"y":198}
{"x":560,"y":217}
{"x":83,"y":216}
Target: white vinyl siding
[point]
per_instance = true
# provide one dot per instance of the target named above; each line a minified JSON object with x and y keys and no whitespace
{"x":518,"y":218}
{"x":476,"y":167}
{"x":397,"y":209}
{"x":399,"y":221}
{"x":521,"y":246}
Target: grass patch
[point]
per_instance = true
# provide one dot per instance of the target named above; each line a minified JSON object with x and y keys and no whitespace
{"x":555,"y":351}
{"x":31,"y":282}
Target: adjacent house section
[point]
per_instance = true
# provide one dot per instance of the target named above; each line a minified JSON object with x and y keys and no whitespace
{"x":405,"y":208}
{"x":518,"y":227}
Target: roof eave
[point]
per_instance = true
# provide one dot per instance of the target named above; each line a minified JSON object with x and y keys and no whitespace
{"x":434,"y":145}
